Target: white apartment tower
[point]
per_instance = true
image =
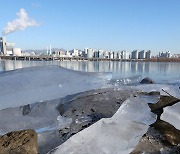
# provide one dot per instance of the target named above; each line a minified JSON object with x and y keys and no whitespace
{"x":90,"y":53}
{"x":75,"y":52}
{"x":124,"y":54}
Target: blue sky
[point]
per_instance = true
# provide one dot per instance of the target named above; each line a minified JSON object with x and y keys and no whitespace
{"x":99,"y":24}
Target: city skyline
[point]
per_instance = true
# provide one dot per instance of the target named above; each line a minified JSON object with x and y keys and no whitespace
{"x":118,"y":25}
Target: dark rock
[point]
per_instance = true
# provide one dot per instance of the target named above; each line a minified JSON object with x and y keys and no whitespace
{"x":168,"y":131}
{"x":163,"y":102}
{"x":88,"y":107}
{"x":26,"y":109}
{"x":19,"y":142}
{"x":153,"y":142}
{"x":147,"y":81}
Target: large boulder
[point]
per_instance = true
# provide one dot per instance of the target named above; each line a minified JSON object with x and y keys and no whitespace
{"x":88,"y":107}
{"x":147,"y":81}
{"x":19,"y":142}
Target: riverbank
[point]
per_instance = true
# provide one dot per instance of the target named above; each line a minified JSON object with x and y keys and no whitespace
{"x":79,"y":111}
{"x":58,"y":58}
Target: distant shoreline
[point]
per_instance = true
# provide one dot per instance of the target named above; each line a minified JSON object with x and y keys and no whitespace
{"x":53,"y":58}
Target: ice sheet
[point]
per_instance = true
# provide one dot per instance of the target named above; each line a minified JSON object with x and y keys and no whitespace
{"x":30,"y":85}
{"x":119,"y":134}
{"x":171,"y":115}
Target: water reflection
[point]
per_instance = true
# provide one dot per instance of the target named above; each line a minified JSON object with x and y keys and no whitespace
{"x":158,"y":71}
{"x":7,"y":65}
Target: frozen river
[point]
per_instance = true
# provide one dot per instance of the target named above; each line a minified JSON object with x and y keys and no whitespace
{"x":161,"y":72}
{"x":32,"y":90}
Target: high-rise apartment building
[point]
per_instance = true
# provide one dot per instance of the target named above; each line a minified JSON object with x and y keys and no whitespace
{"x":148,"y":54}
{"x":90,"y":53}
{"x":165,"y":54}
{"x":134,"y":54}
{"x":124,"y":54}
{"x":75,"y":52}
{"x":101,"y":53}
{"x":111,"y":55}
{"x":142,"y":54}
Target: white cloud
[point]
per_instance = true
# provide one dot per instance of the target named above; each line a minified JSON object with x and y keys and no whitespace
{"x":20,"y":23}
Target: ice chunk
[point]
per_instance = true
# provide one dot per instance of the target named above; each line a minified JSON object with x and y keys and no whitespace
{"x":42,"y":117}
{"x":174,"y":90}
{"x":171,"y":115}
{"x":48,"y":140}
{"x":39,"y":116}
{"x":152,"y":97}
{"x":30,"y":85}
{"x":119,"y":134}
{"x":125,"y":81}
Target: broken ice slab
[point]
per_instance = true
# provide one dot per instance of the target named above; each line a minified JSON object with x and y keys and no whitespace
{"x":119,"y":134}
{"x":116,"y":81}
{"x":151,"y":97}
{"x":39,"y":116}
{"x":171,"y":115}
{"x":173,"y":90}
{"x":30,"y":85}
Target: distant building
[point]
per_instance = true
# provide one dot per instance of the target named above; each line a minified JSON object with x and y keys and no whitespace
{"x":2,"y":46}
{"x":90,"y":53}
{"x":165,"y":54}
{"x":68,"y":54}
{"x":115,"y":55}
{"x":6,"y":48}
{"x":96,"y":54}
{"x":111,"y":55}
{"x":134,"y":54}
{"x":119,"y":55}
{"x":56,"y":52}
{"x":106,"y":54}
{"x":17,"y":52}
{"x":86,"y":50}
{"x":148,"y":54}
{"x":176,"y":56}
{"x":75,"y":52}
{"x":142,"y":54}
{"x":124,"y":55}
{"x":101,"y":53}
{"x":62,"y":53}
{"x":80,"y":53}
